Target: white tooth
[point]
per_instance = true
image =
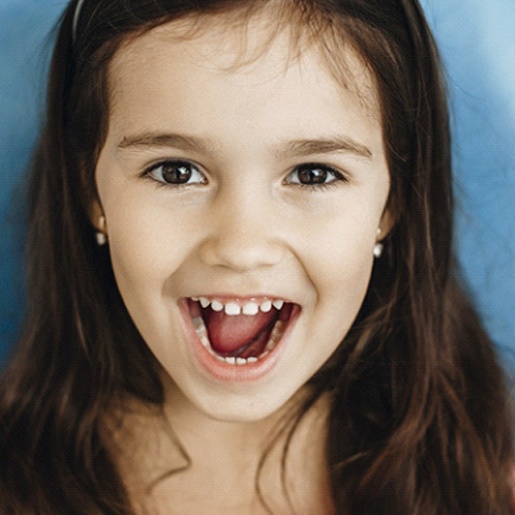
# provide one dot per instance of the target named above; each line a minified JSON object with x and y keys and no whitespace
{"x":241,"y":361}
{"x":201,"y":332}
{"x":198,"y":324}
{"x":252,"y":359}
{"x":278,"y":304}
{"x":220,"y":358}
{"x":266,"y":306}
{"x":232,"y":309}
{"x":204,"y":302}
{"x":195,"y":299}
{"x":277,"y":332}
{"x":251,"y":308}
{"x":205,"y":342}
{"x":231,"y":360}
{"x":217,"y":306}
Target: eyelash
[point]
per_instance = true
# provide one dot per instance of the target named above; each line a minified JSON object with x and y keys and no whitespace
{"x":337,"y":177}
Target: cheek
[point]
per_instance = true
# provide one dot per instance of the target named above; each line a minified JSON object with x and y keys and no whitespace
{"x":342,"y":248}
{"x":148,"y":243}
{"x":146,"y":250}
{"x":145,"y":232}
{"x":338,"y":261}
{"x":342,"y":271}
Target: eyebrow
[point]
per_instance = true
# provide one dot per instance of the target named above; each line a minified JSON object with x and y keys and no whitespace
{"x":293,"y":148}
{"x":165,"y":140}
{"x":333,"y":145}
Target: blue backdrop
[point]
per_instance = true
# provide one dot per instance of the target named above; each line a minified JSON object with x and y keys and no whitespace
{"x":477,"y":41}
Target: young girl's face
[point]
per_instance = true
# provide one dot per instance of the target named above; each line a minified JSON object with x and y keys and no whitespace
{"x":243,"y":189}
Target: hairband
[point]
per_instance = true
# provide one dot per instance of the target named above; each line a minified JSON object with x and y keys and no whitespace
{"x":76,"y":16}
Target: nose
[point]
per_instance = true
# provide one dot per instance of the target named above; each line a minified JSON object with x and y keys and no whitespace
{"x":244,"y":233}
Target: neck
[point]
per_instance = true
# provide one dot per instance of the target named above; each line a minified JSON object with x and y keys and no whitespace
{"x":222,"y":443}
{"x":225,"y":458}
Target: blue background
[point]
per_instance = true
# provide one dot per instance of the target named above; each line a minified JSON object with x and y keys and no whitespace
{"x":477,"y":41}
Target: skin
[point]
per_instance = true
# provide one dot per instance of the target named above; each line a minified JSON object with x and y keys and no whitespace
{"x":244,"y":226}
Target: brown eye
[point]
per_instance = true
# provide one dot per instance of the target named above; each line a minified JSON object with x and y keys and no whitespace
{"x":313,"y":175}
{"x":176,"y":173}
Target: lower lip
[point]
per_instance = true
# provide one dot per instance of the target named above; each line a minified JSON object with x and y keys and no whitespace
{"x":226,"y":372}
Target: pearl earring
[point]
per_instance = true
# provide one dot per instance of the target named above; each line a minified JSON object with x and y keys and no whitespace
{"x":101,"y":235}
{"x":378,"y":247}
{"x":378,"y":250}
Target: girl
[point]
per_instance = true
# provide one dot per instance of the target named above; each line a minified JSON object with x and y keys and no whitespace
{"x":242,"y":293}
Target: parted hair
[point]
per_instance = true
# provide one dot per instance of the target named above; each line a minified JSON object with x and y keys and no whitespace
{"x":420,"y":419}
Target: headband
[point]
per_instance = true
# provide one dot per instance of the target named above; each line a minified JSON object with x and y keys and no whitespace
{"x":76,"y":16}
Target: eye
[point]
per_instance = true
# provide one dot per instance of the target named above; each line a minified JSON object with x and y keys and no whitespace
{"x":176,"y":173}
{"x":314,"y":175}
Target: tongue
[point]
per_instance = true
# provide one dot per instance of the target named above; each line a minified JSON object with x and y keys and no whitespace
{"x":229,"y":333}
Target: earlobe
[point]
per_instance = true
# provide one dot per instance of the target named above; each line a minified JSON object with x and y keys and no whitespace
{"x":385,"y":226}
{"x":101,"y":234}
{"x":98,"y":221}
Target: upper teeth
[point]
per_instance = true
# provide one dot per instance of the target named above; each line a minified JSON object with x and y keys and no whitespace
{"x":234,"y":309}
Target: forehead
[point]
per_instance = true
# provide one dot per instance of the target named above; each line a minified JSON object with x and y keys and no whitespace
{"x":241,"y":85}
{"x":235,"y":46}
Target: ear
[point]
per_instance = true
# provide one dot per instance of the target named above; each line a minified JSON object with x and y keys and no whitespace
{"x":96,"y":216}
{"x":386,"y":224}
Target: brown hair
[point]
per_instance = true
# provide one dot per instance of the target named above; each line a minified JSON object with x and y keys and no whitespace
{"x":420,"y":421}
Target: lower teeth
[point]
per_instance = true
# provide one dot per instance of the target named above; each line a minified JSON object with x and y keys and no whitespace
{"x":275,"y":336}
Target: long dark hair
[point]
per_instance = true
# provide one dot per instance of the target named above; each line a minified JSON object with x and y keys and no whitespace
{"x":420,"y":420}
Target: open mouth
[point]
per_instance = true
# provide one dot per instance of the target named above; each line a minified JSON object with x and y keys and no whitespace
{"x":239,"y":333}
